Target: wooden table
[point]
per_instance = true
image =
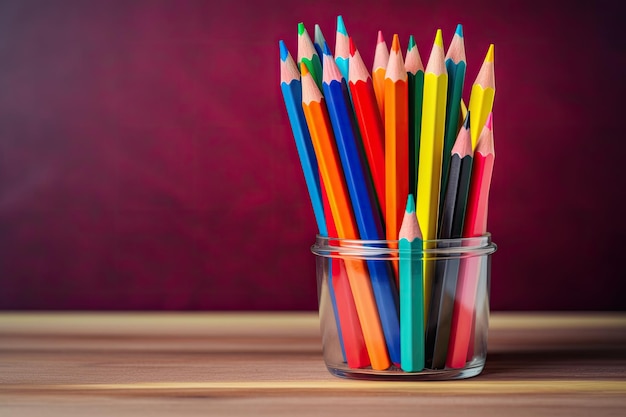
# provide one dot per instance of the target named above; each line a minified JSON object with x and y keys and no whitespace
{"x":270,"y":364}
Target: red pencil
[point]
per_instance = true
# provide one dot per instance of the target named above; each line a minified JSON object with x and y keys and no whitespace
{"x":476,"y":213}
{"x":369,"y":121}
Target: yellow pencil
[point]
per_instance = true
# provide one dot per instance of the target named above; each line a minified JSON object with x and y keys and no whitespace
{"x":431,"y":148}
{"x":482,"y":96}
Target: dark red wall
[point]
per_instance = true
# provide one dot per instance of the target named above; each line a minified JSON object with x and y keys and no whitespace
{"x":146,"y":161}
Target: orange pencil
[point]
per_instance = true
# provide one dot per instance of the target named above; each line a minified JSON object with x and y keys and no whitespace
{"x":369,"y":121}
{"x":381,"y":57}
{"x":318,"y":121}
{"x":348,"y":326}
{"x":396,"y":142}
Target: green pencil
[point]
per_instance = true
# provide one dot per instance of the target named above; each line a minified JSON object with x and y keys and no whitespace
{"x":456,"y":66}
{"x":411,"y":291}
{"x":308,"y":56}
{"x":415,"y":73}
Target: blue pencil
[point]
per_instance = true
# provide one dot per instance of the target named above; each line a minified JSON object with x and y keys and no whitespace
{"x":363,"y":199}
{"x":292,"y":94}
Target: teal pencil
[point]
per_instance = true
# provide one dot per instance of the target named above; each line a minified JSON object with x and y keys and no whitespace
{"x":456,"y":67}
{"x":411,"y":291}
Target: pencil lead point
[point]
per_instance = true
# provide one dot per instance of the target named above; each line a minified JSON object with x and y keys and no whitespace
{"x":459,"y":30}
{"x":395,"y":44}
{"x":341,"y":27}
{"x":489,"y":57}
{"x":380,"y":38}
{"x":301,"y":29}
{"x":284,"y":53}
{"x":439,"y":38}
{"x":410,"y":204}
{"x":411,"y":42}
{"x":319,"y":37}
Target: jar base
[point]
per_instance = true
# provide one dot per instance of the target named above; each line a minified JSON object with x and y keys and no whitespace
{"x":472,"y":369}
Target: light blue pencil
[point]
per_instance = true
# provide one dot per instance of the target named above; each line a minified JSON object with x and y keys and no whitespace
{"x":292,"y":94}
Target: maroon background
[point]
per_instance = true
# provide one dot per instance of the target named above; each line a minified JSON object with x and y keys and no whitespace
{"x":147,"y":161}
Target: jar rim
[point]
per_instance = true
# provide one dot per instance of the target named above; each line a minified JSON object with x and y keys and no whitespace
{"x":331,"y":247}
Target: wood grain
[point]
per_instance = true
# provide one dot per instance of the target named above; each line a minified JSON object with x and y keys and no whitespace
{"x":270,"y":364}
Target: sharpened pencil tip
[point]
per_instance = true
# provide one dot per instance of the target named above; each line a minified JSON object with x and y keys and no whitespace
{"x":411,"y":43}
{"x":380,"y":38}
{"x":284,"y":53}
{"x":326,"y":49}
{"x":395,"y":44}
{"x":489,"y":57}
{"x":410,"y":204}
{"x":459,"y":30}
{"x":341,"y":27}
{"x":304,"y":70}
{"x":352,"y":47}
{"x":466,"y":123}
{"x":301,"y":29}
{"x":319,"y":37}
{"x":489,"y":122}
{"x":439,"y":38}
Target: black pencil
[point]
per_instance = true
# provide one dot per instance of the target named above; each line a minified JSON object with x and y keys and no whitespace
{"x":446,"y":271}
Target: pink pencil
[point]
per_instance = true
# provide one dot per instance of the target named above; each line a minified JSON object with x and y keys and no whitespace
{"x":475,"y":226}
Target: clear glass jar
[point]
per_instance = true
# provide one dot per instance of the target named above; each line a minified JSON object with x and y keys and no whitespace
{"x":391,"y":312}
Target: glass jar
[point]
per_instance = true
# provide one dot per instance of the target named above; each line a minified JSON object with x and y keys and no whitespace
{"x":388,"y":311}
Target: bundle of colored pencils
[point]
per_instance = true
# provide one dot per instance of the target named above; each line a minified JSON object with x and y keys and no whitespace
{"x":394,"y":154}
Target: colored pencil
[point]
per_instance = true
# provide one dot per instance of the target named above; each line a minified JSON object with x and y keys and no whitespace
{"x":455,"y":66}
{"x":290,"y":86}
{"x":482,"y":94}
{"x":415,"y":74}
{"x":431,"y":148}
{"x":363,"y":198}
{"x":475,"y":225}
{"x":292,"y":95}
{"x":411,"y":291}
{"x":396,"y":124}
{"x":348,"y":327}
{"x":307,"y":55}
{"x":318,"y":40}
{"x":369,"y":122}
{"x":320,"y":128}
{"x":342,"y":48}
{"x":446,"y":271}
{"x":455,"y":200}
{"x":379,"y":67}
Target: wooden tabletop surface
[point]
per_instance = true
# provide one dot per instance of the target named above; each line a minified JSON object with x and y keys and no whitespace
{"x":270,"y":364}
